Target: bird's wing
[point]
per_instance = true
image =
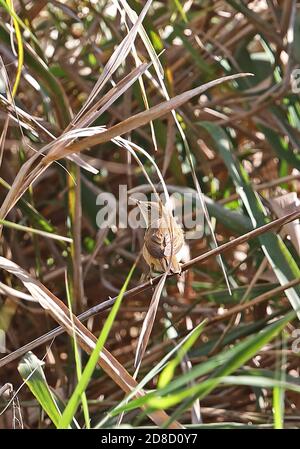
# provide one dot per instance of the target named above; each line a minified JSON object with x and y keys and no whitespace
{"x":159,"y":242}
{"x":174,"y":242}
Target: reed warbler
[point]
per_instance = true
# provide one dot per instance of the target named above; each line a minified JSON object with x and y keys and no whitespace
{"x":164,"y":238}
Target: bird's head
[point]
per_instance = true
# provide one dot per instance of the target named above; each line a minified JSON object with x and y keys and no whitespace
{"x":150,"y":210}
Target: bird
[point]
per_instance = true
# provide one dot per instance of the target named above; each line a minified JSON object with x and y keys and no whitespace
{"x":163,"y":240}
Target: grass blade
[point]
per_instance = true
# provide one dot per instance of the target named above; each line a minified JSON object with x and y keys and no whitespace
{"x":30,"y":368}
{"x":72,"y":405}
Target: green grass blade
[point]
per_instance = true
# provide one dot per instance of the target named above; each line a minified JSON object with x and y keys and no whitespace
{"x":226,"y":362}
{"x":168,"y":372}
{"x":30,"y":368}
{"x":261,"y":382}
{"x":23,"y":228}
{"x":246,"y":350}
{"x":149,"y":376}
{"x":278,"y":390}
{"x":277,"y":407}
{"x":20,"y":49}
{"x":72,"y":405}
{"x":78,"y":365}
{"x":181,"y":11}
{"x":280,"y":147}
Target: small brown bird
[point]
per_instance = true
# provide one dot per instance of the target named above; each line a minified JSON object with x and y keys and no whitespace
{"x":163,"y":239}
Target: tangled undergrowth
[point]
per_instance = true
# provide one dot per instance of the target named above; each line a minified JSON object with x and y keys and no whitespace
{"x":93,"y":98}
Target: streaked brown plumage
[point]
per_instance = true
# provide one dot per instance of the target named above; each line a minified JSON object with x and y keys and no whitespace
{"x":163,"y":239}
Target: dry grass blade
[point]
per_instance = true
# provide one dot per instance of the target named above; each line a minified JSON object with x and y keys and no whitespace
{"x":29,"y":172}
{"x":111,"y":96}
{"x":57,"y":150}
{"x":26,"y":120}
{"x":114,"y":62}
{"x":29,"y":122}
{"x":148,"y":323}
{"x":138,"y":61}
{"x":86,"y":339}
{"x":134,"y":17}
{"x":3,"y":137}
{"x":170,"y":147}
{"x":9,"y":291}
{"x":138,"y":120}
{"x":25,"y":177}
{"x":253,"y":302}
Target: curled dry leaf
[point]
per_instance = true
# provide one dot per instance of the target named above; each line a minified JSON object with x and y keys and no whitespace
{"x":283,"y":205}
